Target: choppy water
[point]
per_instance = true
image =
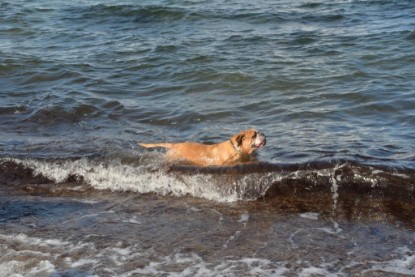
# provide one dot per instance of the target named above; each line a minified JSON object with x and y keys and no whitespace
{"x":331,"y":84}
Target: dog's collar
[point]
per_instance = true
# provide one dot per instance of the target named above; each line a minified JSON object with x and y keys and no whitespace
{"x":237,"y":148}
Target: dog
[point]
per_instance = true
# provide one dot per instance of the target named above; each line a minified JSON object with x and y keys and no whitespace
{"x":239,"y":148}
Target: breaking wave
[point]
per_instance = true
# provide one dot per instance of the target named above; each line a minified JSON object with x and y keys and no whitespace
{"x":149,"y":174}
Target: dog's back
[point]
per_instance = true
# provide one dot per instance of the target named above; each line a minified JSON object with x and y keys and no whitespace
{"x":154,"y":145}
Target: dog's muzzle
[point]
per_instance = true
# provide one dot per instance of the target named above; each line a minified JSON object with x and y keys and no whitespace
{"x":259,"y":141}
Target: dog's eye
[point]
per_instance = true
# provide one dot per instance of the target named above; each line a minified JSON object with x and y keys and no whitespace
{"x":255,"y":134}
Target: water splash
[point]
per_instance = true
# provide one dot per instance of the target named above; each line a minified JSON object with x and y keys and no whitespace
{"x":149,"y":174}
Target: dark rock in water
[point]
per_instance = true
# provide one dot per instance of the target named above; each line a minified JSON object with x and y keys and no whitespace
{"x":12,"y":173}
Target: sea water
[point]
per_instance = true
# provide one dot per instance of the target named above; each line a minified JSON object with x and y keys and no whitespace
{"x":330,"y":83}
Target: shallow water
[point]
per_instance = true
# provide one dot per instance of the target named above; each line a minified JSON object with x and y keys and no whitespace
{"x":330,"y":83}
{"x":73,"y":230}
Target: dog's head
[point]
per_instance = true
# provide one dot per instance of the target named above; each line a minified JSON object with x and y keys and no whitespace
{"x":249,"y":140}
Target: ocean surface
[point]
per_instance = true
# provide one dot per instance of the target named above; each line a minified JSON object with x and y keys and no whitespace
{"x":330,"y":83}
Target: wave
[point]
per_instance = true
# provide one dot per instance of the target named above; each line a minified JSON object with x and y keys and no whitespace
{"x":68,"y":111}
{"x":59,"y":115}
{"x":138,"y":14}
{"x":145,"y":14}
{"x":12,"y":110}
{"x":149,"y":174}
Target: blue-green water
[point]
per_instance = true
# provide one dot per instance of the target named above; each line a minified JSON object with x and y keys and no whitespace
{"x":326,"y":79}
{"x":330,"y":83}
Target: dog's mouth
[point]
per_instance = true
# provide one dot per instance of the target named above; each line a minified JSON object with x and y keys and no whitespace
{"x":260,"y":144}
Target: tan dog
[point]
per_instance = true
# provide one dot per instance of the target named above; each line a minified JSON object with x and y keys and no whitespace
{"x":238,"y":148}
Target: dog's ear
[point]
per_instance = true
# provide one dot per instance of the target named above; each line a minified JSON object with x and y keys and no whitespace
{"x":239,"y":139}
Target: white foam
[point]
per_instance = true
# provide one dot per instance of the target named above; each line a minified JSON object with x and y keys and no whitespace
{"x":332,"y":231}
{"x":11,"y":269}
{"x":310,"y":215}
{"x":36,"y":262}
{"x":231,"y":238}
{"x":335,"y":186}
{"x":48,"y":254}
{"x":194,"y":265}
{"x":45,"y":258}
{"x":148,"y":175}
{"x":82,"y":262}
{"x":404,"y":263}
{"x":310,"y":271}
{"x":24,"y":239}
{"x":116,"y":176}
{"x":133,"y":220}
{"x":43,"y":268}
{"x":244,"y":218}
{"x":405,"y":176}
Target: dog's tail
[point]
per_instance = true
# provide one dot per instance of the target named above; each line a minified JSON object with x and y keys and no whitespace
{"x":154,"y":145}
